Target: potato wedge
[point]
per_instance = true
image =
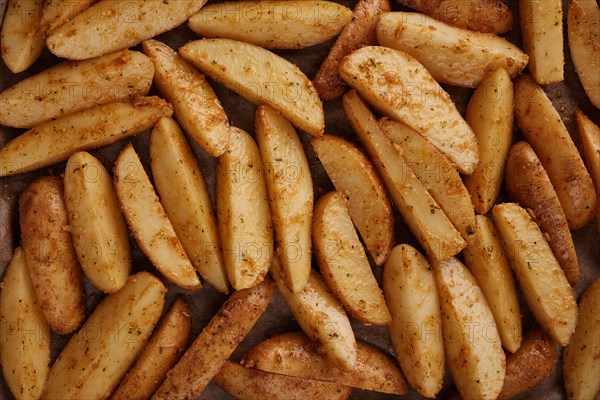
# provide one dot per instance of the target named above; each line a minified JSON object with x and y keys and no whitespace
{"x":343,"y":261}
{"x":55,"y":141}
{"x":320,"y":316}
{"x":184,"y":196}
{"x":50,"y":256}
{"x":97,"y":226}
{"x":527,"y":183}
{"x":368,"y":204}
{"x":254,"y":384}
{"x":217,"y":341}
{"x":96,"y":358}
{"x":542,"y":35}
{"x":290,"y":189}
{"x":25,"y":335}
{"x":452,"y":55}
{"x":421,"y":213}
{"x":543,"y":128}
{"x":357,"y":33}
{"x":487,"y":261}
{"x":584,"y":43}
{"x":589,"y":134}
{"x":471,"y":342}
{"x":273,"y":24}
{"x":195,"y":104}
{"x":260,"y":76}
{"x":70,"y":87}
{"x":243,"y":212}
{"x":399,"y":87}
{"x":436,"y":173}
{"x":581,"y":363}
{"x":56,"y":12}
{"x":165,"y":347}
{"x":149,"y":223}
{"x":112,"y":25}
{"x":21,"y":36}
{"x":489,"y":16}
{"x":409,"y":285}
{"x":294,"y":354}
{"x":490,"y":114}
{"x":542,"y":281}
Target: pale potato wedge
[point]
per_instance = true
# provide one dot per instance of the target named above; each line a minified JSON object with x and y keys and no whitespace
{"x":542,"y":281}
{"x":290,"y":189}
{"x":583,"y":25}
{"x":25,"y":335}
{"x":408,"y":286}
{"x":490,"y":113}
{"x":368,"y":204}
{"x":436,"y":173}
{"x":320,"y":316}
{"x":217,"y":341}
{"x":71,"y":86}
{"x":294,"y":354}
{"x":581,"y":360}
{"x":589,"y":134}
{"x":96,"y":358}
{"x":472,"y":345}
{"x":97,"y":226}
{"x":195,"y":104}
{"x":452,"y":55}
{"x":261,"y":77}
{"x":272,"y":24}
{"x":343,"y":262}
{"x":165,"y":347}
{"x":55,"y":141}
{"x":542,"y":35}
{"x":184,"y":195}
{"x":489,"y":16}
{"x":22,"y":37}
{"x":56,"y":12}
{"x":399,"y":87}
{"x":51,"y":258}
{"x":543,"y":128}
{"x":527,"y":183}
{"x":148,"y":221}
{"x":487,"y":261}
{"x":421,"y":213}
{"x":253,"y":384}
{"x":243,"y":212}
{"x":113,"y":25}
{"x":357,"y":33}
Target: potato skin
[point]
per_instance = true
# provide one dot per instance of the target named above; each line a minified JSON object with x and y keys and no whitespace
{"x":50,"y":255}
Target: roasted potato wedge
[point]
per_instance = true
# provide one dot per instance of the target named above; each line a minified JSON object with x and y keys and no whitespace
{"x":409,"y":285}
{"x":25,"y":334}
{"x":96,"y":358}
{"x":195,"y":104}
{"x":244,"y":216}
{"x":184,"y":196}
{"x":399,"y":87}
{"x":56,"y":12}
{"x":294,"y":354}
{"x":472,"y":345}
{"x":368,"y":204}
{"x":50,"y":255}
{"x":590,"y":140}
{"x":111,"y":25}
{"x":343,"y":261}
{"x":217,"y":341}
{"x":542,"y":281}
{"x":148,"y":221}
{"x":55,"y":141}
{"x":22,"y":37}
{"x":261,"y":77}
{"x":543,"y":128}
{"x":422,"y":214}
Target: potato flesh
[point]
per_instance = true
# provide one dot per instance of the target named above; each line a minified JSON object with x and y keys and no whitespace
{"x":57,"y":12}
{"x":590,"y":140}
{"x":22,"y":39}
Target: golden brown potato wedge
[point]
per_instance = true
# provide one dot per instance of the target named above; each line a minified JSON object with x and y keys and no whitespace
{"x":50,"y":255}
{"x":589,"y":134}
{"x":217,"y":341}
{"x":22,"y":36}
{"x":56,"y":12}
{"x":294,"y":354}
